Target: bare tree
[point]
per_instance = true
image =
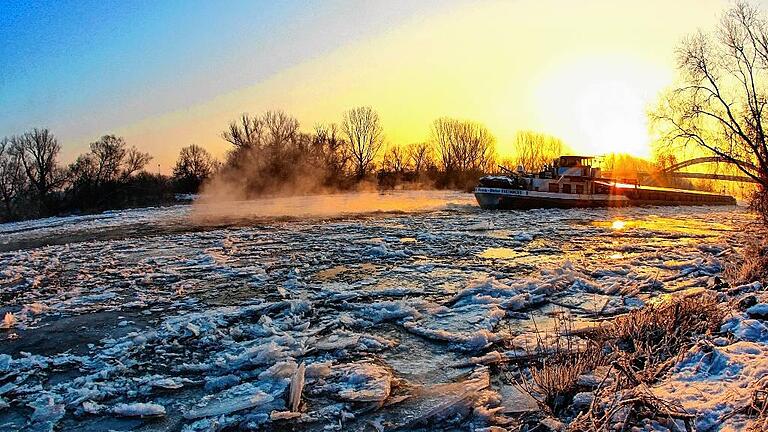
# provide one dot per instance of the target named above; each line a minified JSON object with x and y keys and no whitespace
{"x":280,"y":126}
{"x":37,"y":152}
{"x":246,"y":134}
{"x":395,"y":159}
{"x":365,"y":137}
{"x":332,"y":148}
{"x":114,"y":160}
{"x":134,"y":161}
{"x":419,"y":156}
{"x":443,"y":136}
{"x":463,"y":145}
{"x":12,"y":180}
{"x":108,"y":153}
{"x":719,"y":104}
{"x":193,"y":167}
{"x":533,"y":150}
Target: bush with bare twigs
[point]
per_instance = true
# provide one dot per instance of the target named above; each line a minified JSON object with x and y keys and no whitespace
{"x":558,"y":361}
{"x":751,"y":266}
{"x":639,"y":347}
{"x":615,"y":408}
{"x":649,"y":340}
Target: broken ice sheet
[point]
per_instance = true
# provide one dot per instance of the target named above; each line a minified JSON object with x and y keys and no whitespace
{"x":247,"y":396}
{"x":218,"y":320}
{"x":359,"y":382}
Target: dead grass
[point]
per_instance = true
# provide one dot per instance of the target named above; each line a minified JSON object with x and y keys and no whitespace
{"x":617,"y":409}
{"x":649,"y":340}
{"x":753,"y":265}
{"x":558,"y":361}
{"x":640,"y":347}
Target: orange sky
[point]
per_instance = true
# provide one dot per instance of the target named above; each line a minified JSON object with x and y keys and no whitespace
{"x":585,"y":71}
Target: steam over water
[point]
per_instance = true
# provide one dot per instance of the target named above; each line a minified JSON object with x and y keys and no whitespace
{"x":199,"y":317}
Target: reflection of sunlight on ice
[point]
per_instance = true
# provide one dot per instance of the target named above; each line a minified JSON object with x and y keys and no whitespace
{"x":665,"y":225}
{"x":616,"y":256}
{"x":500,"y":252}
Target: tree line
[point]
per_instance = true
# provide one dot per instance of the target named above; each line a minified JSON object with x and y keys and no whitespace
{"x":269,"y":154}
{"x":111,"y":175}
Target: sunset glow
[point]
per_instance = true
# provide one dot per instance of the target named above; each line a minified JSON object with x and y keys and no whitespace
{"x":585,"y":72}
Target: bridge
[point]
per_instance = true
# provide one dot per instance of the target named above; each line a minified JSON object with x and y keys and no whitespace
{"x":674,"y":171}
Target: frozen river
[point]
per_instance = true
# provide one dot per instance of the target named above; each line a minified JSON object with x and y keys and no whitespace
{"x":387,"y":306}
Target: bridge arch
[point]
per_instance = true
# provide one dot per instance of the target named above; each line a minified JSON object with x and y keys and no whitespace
{"x":701,"y":160}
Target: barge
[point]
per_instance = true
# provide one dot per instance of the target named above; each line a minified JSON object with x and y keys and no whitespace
{"x":572,"y":181}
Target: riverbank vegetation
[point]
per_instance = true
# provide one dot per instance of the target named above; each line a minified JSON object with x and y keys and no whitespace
{"x":269,"y":154}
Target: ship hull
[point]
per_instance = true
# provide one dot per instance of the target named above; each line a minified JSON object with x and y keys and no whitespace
{"x":512,"y":199}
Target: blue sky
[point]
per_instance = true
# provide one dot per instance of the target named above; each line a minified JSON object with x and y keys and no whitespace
{"x":168,"y":73}
{"x":85,"y":67}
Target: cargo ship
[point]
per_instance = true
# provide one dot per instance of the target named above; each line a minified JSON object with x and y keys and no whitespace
{"x":572,"y":181}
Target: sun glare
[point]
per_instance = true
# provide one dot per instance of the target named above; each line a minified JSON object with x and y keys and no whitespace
{"x":599,"y":106}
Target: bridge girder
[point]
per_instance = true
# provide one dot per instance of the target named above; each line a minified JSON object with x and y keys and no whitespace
{"x":724,"y":177}
{"x":701,"y":160}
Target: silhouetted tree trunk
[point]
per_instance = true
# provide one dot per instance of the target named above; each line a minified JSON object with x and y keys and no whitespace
{"x":365,"y":137}
{"x":12,"y":180}
{"x":419,"y":156}
{"x":37,"y":151}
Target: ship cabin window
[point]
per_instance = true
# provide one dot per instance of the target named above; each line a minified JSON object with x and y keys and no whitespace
{"x":554,"y":187}
{"x":579,"y":189}
{"x":566,"y":188}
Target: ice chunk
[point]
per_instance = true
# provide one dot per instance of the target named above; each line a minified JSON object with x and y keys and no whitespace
{"x":387,"y":311}
{"x":583,"y":399}
{"x":516,"y":401}
{"x":318,"y":370}
{"x":5,"y":362}
{"x":751,"y":287}
{"x":360,"y":342}
{"x":450,"y":401}
{"x":93,"y":407}
{"x":746,"y":329}
{"x":284,"y":369}
{"x":759,"y":310}
{"x":138,"y":409}
{"x":297,"y":385}
{"x":468,"y":328}
{"x":228,"y":406}
{"x":219,"y":383}
{"x":46,"y":414}
{"x":242,"y":397}
{"x":361,"y":382}
{"x":167,"y":383}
